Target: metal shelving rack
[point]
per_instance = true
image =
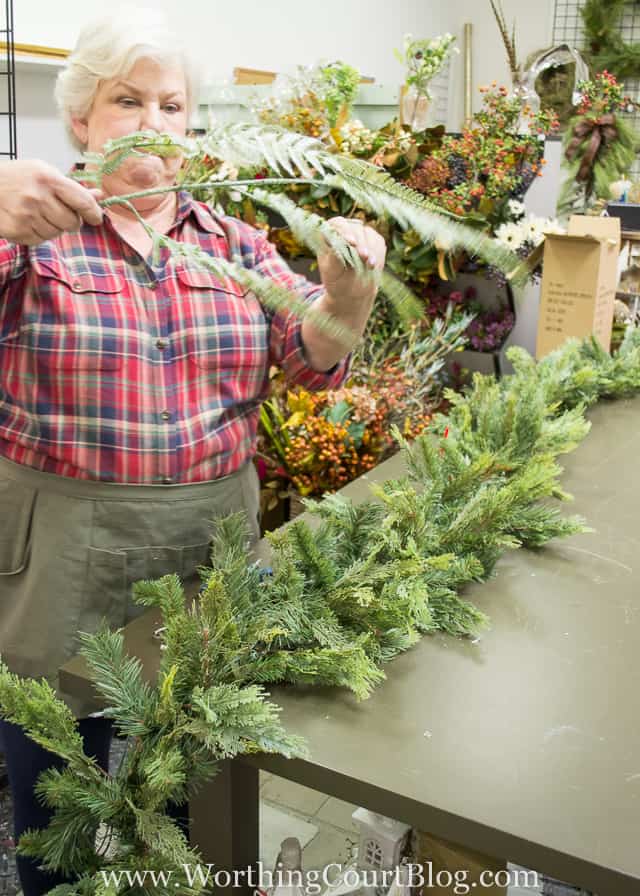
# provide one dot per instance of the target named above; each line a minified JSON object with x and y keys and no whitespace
{"x":8,"y":141}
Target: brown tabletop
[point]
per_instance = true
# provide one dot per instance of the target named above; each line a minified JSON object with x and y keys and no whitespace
{"x":525,"y":744}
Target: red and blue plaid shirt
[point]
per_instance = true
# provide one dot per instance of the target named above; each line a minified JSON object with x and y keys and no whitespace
{"x":115,"y":370}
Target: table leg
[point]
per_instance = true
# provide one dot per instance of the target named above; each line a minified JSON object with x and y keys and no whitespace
{"x":224,"y":819}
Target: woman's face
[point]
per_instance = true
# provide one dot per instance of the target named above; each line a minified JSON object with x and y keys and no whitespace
{"x":151,"y":97}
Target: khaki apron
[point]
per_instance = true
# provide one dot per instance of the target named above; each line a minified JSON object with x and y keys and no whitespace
{"x":70,"y":550}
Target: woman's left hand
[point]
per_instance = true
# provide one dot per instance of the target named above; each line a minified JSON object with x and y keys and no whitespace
{"x":343,"y":284}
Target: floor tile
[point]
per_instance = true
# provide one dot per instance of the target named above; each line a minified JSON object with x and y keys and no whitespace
{"x":275,"y":825}
{"x":264,"y":777}
{"x":337,"y":813}
{"x":295,"y":796}
{"x":328,"y":846}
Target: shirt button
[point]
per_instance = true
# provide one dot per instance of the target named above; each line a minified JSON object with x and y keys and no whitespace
{"x":162,"y":344}
{"x":167,"y":480}
{"x":166,"y":415}
{"x":154,"y":284}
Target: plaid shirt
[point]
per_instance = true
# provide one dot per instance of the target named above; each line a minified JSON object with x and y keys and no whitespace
{"x":115,"y":370}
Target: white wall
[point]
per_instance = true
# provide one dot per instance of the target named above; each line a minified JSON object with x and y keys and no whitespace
{"x":275,"y":35}
{"x":260,"y":34}
{"x":280,"y":34}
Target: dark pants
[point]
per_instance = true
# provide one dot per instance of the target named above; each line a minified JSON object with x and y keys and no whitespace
{"x":25,"y":759}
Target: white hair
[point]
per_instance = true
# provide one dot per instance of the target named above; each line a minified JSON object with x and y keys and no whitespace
{"x":109,"y":47}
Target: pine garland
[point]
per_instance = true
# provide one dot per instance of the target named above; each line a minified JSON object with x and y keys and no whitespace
{"x":601,"y":20}
{"x":341,"y":602}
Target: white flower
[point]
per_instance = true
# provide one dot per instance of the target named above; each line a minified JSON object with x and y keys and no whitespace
{"x":552,"y":225}
{"x":235,"y":196}
{"x":510,"y":235}
{"x":533,"y":228}
{"x":516,"y":208}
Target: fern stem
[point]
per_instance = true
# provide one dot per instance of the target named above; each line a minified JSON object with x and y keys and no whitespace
{"x":215,"y":184}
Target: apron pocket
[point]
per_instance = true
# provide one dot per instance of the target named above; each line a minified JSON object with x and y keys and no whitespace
{"x":17,"y":502}
{"x":105,"y":589}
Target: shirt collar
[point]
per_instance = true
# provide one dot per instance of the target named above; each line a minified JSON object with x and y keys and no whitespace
{"x":202,"y":213}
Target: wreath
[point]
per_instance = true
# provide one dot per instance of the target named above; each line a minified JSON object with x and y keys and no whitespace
{"x":607,"y":50}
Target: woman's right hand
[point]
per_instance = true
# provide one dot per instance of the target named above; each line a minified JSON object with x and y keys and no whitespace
{"x":38,"y":203}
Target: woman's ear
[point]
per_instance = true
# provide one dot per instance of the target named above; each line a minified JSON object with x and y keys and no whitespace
{"x":80,"y":129}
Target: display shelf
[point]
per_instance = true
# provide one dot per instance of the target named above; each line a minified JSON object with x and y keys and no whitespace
{"x":375,"y":104}
{"x":496,"y":353}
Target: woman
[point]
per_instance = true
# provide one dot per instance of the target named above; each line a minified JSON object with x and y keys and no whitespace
{"x":129,"y":392}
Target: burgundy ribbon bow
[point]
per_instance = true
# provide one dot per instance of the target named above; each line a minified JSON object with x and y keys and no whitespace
{"x":602,"y":130}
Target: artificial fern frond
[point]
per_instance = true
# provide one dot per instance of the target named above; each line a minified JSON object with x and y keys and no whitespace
{"x":377,"y":191}
{"x":271,"y":294}
{"x":251,"y":145}
{"x":309,"y":228}
{"x":313,"y":231}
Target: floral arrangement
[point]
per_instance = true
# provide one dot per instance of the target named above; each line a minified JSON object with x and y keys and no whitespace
{"x":424,"y":59}
{"x":599,"y":146}
{"x":489,"y":163}
{"x":488,"y":328}
{"x":314,"y":101}
{"x":318,"y":442}
{"x":326,"y":439}
{"x":341,"y":83}
{"x":602,"y":96}
{"x":472,"y":176}
{"x":488,"y":331}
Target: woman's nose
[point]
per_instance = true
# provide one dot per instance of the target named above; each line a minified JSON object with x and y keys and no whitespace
{"x":151,"y":119}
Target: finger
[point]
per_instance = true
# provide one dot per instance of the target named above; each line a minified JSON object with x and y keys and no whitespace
{"x":60,"y":216}
{"x":80,"y":199}
{"x":358,"y":239}
{"x":377,"y":248}
{"x":43,"y":231}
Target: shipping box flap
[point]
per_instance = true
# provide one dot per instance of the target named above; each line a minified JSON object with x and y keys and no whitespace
{"x":598,"y":228}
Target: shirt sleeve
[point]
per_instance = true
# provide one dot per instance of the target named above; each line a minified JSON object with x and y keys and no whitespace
{"x":13,"y":264}
{"x":286,"y":349}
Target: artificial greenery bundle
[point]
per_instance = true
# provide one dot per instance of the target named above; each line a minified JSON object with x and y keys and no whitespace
{"x":340,"y":602}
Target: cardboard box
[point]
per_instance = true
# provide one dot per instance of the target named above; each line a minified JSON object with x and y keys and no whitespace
{"x":579,"y":279}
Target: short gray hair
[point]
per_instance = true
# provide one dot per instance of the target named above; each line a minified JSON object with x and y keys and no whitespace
{"x":109,"y":47}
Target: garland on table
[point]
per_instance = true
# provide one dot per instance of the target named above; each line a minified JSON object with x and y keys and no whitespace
{"x":601,"y":20}
{"x":341,"y":601}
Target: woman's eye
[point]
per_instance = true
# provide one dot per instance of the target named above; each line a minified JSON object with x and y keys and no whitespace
{"x":126,"y":101}
{"x":172,"y":107}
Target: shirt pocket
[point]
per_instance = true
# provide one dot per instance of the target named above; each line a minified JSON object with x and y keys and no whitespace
{"x":74,"y":319}
{"x":226,"y":330}
{"x":17,"y":502}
